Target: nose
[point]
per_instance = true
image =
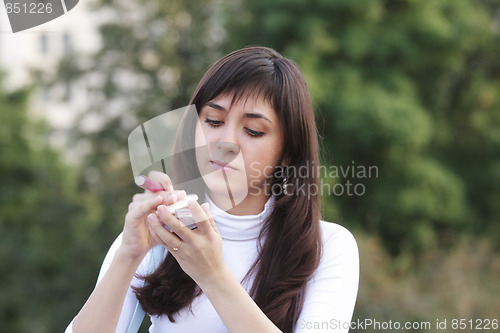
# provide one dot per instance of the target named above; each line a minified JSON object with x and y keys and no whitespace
{"x":227,"y":148}
{"x":224,"y":151}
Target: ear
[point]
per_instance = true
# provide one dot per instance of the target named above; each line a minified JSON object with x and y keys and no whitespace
{"x":285,"y":161}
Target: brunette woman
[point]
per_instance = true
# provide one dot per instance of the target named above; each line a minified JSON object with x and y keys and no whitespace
{"x":261,"y":259}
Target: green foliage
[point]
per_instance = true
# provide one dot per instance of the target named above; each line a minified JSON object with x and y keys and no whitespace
{"x":45,"y":226}
{"x":460,"y":282}
{"x":411,"y":87}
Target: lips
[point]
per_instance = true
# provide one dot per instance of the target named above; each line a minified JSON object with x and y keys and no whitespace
{"x":219,"y":165}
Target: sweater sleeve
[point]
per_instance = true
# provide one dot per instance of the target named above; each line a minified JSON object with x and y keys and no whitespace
{"x":130,"y":301}
{"x":332,"y":290}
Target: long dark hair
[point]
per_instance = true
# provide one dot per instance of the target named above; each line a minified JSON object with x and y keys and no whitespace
{"x":292,"y":248}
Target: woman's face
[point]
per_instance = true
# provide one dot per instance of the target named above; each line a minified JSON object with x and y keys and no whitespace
{"x":237,"y":150}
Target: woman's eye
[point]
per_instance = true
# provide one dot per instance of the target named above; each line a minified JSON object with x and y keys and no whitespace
{"x":251,"y":132}
{"x":213,"y":122}
{"x":216,"y":123}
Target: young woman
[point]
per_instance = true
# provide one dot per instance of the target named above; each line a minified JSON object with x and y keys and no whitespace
{"x":265,"y":262}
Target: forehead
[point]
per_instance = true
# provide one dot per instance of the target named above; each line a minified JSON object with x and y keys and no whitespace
{"x":244,"y":104}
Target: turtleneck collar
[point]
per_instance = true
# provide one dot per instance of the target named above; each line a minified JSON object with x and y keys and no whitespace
{"x":240,"y":227}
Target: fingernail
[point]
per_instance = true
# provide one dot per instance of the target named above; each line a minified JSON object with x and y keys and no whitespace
{"x":191,"y":203}
{"x":151,"y":218}
{"x":162,"y":209}
{"x":174,"y":196}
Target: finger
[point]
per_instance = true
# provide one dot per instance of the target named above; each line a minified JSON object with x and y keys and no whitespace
{"x":152,"y":234}
{"x":167,"y":196}
{"x":206,"y":208}
{"x":163,"y":179}
{"x":175,"y":225}
{"x":145,"y":207}
{"x":199,"y":216}
{"x":172,"y":197}
{"x":162,"y":235}
{"x":181,"y":195}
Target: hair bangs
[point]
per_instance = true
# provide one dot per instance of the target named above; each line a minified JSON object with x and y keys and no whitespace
{"x":243,"y":77}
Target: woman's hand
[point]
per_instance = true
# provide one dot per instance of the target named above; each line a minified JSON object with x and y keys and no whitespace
{"x":137,"y":239}
{"x":198,"y":251}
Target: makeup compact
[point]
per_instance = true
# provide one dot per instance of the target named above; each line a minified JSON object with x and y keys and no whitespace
{"x":182,"y":213}
{"x":178,"y":209}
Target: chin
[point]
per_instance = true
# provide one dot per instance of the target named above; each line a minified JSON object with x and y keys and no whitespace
{"x":216,"y":183}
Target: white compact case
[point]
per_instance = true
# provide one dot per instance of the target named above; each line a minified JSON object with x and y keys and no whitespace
{"x":181,"y":212}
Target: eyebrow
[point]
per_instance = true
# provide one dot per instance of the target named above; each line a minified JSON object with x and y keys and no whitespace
{"x":253,"y":115}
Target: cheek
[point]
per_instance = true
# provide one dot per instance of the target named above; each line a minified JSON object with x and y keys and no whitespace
{"x":201,"y":148}
{"x":199,"y":136}
{"x":260,"y":160}
{"x":259,"y":170}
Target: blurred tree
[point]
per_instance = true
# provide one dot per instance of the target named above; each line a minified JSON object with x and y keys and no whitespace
{"x":46,"y":225}
{"x":411,"y":87}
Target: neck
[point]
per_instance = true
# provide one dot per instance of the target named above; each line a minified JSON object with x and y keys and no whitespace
{"x":251,"y":205}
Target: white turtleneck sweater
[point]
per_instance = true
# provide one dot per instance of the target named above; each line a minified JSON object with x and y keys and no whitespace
{"x":329,"y":298}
